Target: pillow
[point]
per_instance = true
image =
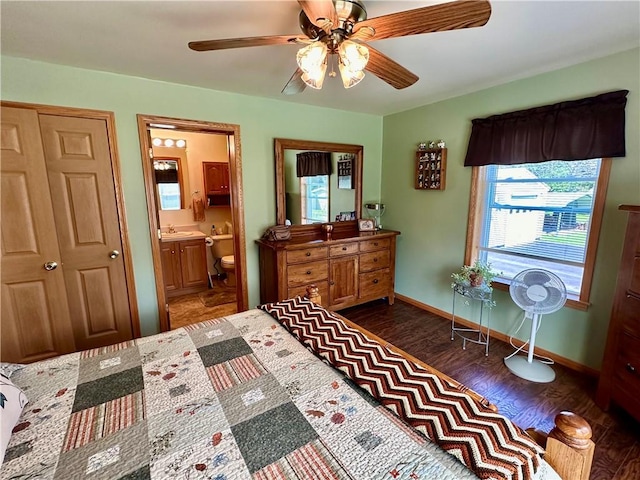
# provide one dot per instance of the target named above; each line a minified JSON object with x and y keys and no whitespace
{"x":12,"y":401}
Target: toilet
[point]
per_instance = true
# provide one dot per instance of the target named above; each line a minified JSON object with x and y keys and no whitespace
{"x":222,"y":250}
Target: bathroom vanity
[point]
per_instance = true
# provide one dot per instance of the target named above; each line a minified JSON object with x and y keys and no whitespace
{"x":351,"y":268}
{"x":184,"y":262}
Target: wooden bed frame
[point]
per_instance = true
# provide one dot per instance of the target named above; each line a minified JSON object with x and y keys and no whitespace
{"x":569,"y":448}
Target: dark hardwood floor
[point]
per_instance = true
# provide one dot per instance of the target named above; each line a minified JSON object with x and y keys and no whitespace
{"x":427,"y":337}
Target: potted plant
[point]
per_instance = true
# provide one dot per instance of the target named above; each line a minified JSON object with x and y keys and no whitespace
{"x":476,"y":275}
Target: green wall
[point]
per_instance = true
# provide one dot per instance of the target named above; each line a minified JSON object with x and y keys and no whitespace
{"x":261,"y":120}
{"x":434,"y":223}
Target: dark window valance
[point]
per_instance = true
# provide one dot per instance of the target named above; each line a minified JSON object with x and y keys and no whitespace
{"x":574,"y":130}
{"x":311,"y":164}
{"x":167,"y":176}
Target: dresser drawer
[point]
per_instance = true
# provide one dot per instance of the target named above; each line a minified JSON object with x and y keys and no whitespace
{"x":323,"y":290}
{"x":374,"y":260}
{"x":306,"y":255}
{"x":378,"y":244}
{"x":306,"y":273}
{"x":375,"y":284}
{"x":626,"y":390}
{"x":344,"y":249}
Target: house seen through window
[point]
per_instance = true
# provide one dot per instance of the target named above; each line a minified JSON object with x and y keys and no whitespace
{"x":541,"y":215}
{"x":315,"y":199}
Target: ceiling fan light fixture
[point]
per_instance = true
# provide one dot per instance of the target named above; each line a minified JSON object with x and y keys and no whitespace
{"x":311,"y":58}
{"x":353,"y":55}
{"x":315,"y":78}
{"x":350,"y":78}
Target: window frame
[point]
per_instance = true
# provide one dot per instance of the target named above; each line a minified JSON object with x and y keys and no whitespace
{"x":476,"y":214}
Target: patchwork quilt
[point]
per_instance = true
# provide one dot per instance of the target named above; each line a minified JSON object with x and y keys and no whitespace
{"x":231,"y":398}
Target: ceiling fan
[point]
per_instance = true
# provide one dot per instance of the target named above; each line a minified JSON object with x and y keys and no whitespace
{"x":340,"y":28}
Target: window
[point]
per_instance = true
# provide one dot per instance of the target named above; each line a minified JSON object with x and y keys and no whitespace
{"x":539,"y":215}
{"x":169,"y":196}
{"x":315,"y":199}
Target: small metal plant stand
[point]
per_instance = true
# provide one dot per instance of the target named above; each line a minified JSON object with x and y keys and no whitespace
{"x":480,"y":335}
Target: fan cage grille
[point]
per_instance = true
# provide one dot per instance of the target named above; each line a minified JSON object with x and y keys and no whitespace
{"x":538,"y":291}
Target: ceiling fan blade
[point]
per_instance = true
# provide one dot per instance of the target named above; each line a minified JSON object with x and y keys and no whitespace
{"x":206,"y":45}
{"x":317,"y":10}
{"x":295,"y":84}
{"x":388,"y":70}
{"x":434,"y":18}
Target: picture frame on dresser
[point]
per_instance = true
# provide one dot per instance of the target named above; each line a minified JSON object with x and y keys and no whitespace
{"x":366,"y":225}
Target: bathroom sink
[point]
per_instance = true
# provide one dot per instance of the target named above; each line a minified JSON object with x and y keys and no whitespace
{"x":176,"y":234}
{"x":179,"y":236}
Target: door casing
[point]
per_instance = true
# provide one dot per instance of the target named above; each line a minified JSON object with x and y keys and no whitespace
{"x":237,"y":202}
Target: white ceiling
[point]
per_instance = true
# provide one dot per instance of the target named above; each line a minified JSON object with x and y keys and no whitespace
{"x":149,"y":39}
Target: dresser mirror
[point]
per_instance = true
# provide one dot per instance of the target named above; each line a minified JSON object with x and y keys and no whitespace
{"x":317,"y":182}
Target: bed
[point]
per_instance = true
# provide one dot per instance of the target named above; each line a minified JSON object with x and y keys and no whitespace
{"x":273,"y":393}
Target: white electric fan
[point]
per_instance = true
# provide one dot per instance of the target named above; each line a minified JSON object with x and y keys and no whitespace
{"x":537,"y":292}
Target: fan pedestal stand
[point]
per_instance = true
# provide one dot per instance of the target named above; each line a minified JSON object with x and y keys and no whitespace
{"x":529,"y":368}
{"x":536,"y":371}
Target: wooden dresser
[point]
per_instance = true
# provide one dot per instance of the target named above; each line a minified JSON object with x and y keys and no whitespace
{"x":620,"y":376}
{"x":350,"y":269}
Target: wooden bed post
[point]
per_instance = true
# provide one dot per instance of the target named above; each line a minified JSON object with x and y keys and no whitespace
{"x":313,"y":294}
{"x":569,"y":448}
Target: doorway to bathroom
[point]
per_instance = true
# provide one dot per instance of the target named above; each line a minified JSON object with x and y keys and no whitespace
{"x":193,"y":181}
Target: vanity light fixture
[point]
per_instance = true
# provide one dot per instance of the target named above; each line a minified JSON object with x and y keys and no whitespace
{"x":162,"y":166}
{"x":352,"y":60}
{"x":168,"y":142}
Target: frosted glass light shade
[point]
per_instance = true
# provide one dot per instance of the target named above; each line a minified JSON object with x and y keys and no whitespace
{"x":315,"y":78}
{"x":311,"y":57}
{"x":353,"y":55}
{"x":349,"y":77}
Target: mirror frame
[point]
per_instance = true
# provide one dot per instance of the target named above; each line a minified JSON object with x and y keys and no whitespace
{"x":282,"y":144}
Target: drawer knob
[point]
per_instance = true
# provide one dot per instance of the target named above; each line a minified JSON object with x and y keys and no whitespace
{"x":375,"y":244}
{"x":375,"y":259}
{"x":308,"y":272}
{"x":631,"y":368}
{"x":375,"y":280}
{"x":332,"y":282}
{"x":344,"y":248}
{"x":308,"y":254}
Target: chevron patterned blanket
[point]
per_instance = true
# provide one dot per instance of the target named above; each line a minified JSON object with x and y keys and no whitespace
{"x":486,"y":442}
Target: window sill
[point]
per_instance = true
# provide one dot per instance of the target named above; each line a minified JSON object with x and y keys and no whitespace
{"x":572,"y":300}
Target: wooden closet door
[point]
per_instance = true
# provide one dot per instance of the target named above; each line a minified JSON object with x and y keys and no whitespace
{"x":80,"y":173}
{"x":35,"y":319}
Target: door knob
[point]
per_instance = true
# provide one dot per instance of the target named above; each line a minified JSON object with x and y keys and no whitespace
{"x":114,"y":254}
{"x":50,"y":266}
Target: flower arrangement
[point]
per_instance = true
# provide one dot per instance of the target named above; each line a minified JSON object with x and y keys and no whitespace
{"x":476,"y":275}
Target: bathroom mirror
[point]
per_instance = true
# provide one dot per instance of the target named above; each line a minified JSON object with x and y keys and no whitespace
{"x":307,"y":194}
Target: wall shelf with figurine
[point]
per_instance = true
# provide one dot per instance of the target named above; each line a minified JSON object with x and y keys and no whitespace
{"x":431,"y":165}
